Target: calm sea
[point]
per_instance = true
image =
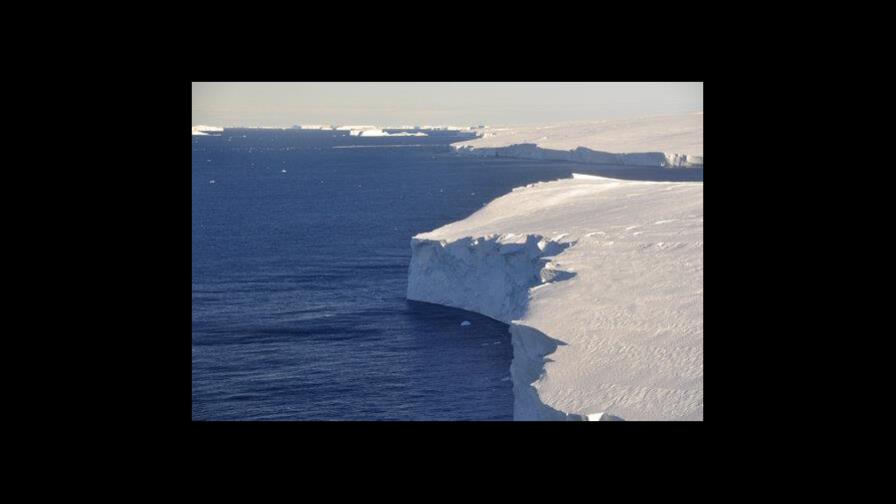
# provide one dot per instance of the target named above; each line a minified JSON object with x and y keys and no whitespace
{"x":300,"y":249}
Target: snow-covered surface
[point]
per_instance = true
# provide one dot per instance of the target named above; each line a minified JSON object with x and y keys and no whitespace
{"x":675,"y":140}
{"x":601,"y":281}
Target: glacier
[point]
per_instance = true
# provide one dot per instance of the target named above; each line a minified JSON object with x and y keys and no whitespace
{"x":600,"y":280}
{"x":674,"y":141}
{"x":601,"y":283}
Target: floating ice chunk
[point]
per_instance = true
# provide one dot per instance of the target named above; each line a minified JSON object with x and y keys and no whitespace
{"x":282,"y":171}
{"x":212,"y":181}
{"x":465,"y":323}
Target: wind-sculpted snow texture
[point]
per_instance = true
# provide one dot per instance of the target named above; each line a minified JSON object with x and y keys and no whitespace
{"x":667,"y":141}
{"x":601,"y":281}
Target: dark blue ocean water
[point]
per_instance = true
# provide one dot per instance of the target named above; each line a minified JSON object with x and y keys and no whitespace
{"x":299,"y":278}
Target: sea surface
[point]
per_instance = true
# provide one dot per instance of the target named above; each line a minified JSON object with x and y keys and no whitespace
{"x":300,"y":250}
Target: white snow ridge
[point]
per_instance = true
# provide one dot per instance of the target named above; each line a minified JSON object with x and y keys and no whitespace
{"x":601,"y":282}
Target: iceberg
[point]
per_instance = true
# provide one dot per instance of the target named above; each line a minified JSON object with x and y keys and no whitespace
{"x":407,"y":134}
{"x":601,"y":283}
{"x":381,"y":133}
{"x":313,"y":126}
{"x":205,"y":130}
{"x":370,"y":132}
{"x":355,"y":127}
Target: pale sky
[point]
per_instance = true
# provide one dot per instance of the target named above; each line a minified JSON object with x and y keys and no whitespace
{"x":283,"y":104}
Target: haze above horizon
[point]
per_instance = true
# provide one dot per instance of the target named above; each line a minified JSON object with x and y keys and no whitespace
{"x":284,"y":104}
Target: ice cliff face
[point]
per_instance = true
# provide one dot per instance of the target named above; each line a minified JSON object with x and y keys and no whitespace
{"x":490,"y":275}
{"x":584,"y":155}
{"x":668,"y":141}
{"x":601,"y":282}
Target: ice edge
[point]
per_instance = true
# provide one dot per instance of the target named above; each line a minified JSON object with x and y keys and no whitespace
{"x":583,"y":155}
{"x":493,"y":275}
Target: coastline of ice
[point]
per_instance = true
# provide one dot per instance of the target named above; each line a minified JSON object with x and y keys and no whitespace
{"x":674,"y":141}
{"x":601,"y":282}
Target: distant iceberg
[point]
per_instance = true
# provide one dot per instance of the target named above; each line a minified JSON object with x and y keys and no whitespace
{"x":381,"y":133}
{"x":205,"y":130}
{"x":313,"y":126}
{"x":355,"y":127}
{"x":405,"y":133}
{"x":445,"y":128}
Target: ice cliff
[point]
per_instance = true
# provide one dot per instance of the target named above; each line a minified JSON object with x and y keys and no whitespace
{"x":601,"y":282}
{"x":668,"y":141}
{"x":585,"y":155}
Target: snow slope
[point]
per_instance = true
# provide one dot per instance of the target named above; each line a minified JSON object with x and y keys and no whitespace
{"x":672,"y":141}
{"x":601,"y":281}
